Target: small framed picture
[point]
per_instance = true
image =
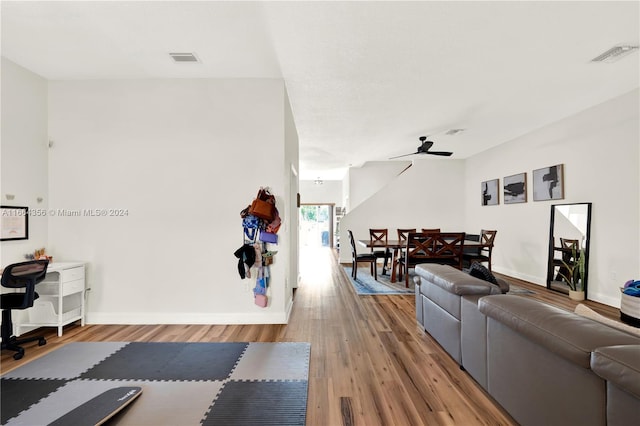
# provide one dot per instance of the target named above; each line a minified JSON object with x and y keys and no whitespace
{"x":514,"y":188}
{"x":490,"y":192}
{"x":14,"y":223}
{"x":548,"y":183}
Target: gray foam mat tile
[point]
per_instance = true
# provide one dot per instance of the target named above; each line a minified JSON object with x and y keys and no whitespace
{"x":150,"y":408}
{"x":260,"y":403}
{"x":169,"y":361}
{"x":152,"y":411}
{"x":67,"y":362}
{"x":265,"y":361}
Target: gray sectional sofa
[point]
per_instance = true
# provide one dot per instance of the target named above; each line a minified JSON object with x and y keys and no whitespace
{"x":542,"y":364}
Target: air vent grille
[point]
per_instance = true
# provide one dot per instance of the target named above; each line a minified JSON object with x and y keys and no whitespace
{"x":452,"y":132}
{"x":184,"y":57}
{"x":615,"y":53}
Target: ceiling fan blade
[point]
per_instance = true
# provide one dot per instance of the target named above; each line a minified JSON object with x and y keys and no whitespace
{"x":405,"y":155}
{"x":441,"y":153}
{"x":426,"y":145}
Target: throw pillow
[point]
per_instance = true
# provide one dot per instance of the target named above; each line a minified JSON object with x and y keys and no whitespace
{"x":587,"y":312}
{"x":480,"y":271}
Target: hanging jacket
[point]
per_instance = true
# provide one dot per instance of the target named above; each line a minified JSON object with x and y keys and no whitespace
{"x":246,"y":256}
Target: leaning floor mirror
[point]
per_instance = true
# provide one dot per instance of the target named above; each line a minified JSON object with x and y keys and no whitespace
{"x":569,"y":249}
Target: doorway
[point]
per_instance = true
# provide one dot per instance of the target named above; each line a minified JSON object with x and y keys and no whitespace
{"x":316,"y":225}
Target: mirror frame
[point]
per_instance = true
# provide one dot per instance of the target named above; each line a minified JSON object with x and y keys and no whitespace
{"x":552,"y":246}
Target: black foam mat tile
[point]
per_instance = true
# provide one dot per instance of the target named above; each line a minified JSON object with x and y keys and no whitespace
{"x":17,"y":395}
{"x":169,"y":361}
{"x":259,"y":403}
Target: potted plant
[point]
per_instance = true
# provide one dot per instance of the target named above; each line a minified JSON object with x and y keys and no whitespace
{"x":574,"y":273}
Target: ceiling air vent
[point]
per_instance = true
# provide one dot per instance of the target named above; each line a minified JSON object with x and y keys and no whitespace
{"x":615,"y":53}
{"x":452,"y":132}
{"x":184,"y":57}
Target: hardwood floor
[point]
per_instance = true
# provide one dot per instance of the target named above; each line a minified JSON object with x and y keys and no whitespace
{"x":370,"y":362}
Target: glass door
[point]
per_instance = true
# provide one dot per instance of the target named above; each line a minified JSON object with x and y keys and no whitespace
{"x":316,"y":225}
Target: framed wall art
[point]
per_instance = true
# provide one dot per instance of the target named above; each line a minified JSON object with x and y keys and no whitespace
{"x":14,"y":223}
{"x":490,"y":196}
{"x":514,"y":188}
{"x":548,"y":183}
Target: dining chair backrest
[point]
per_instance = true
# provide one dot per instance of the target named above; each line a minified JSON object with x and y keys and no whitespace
{"x":378,"y":237}
{"x":403,"y":233}
{"x":570,"y":248}
{"x":443,"y":247}
{"x":566,"y":243}
{"x":431,"y":230}
{"x":353,"y":244}
{"x":487,"y":237}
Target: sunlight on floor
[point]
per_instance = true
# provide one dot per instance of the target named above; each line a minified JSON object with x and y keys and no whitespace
{"x":315,"y":265}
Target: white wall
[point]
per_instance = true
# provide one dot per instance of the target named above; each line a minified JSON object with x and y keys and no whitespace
{"x":599,"y":150}
{"x":182,"y":158}
{"x":370,"y":178}
{"x":330,"y":192}
{"x":426,"y":195}
{"x":290,"y":203}
{"x":23,"y":153}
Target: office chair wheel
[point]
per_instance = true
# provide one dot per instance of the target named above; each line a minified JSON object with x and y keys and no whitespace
{"x":42,"y":341}
{"x":18,"y":355}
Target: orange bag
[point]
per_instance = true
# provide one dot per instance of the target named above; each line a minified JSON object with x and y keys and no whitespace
{"x":264,"y":205}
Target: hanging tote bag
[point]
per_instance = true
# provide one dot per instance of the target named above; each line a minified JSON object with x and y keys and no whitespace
{"x":268,"y":237}
{"x":264,"y":205}
{"x":274,"y":225}
{"x":251,"y":224}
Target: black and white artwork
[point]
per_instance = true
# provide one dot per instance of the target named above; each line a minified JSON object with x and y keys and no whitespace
{"x":548,"y":183}
{"x":515,"y":188}
{"x":490,"y":192}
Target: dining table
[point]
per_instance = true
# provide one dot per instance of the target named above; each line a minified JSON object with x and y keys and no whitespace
{"x":396,"y":245}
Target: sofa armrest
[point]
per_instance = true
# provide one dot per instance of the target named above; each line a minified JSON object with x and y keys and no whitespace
{"x":454,"y":280}
{"x":619,"y":365}
{"x":564,"y":333}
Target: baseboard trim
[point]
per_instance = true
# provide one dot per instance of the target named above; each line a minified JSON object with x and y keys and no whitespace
{"x":132,"y":318}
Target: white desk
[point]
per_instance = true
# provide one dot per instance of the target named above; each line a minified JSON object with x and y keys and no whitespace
{"x":61,"y":300}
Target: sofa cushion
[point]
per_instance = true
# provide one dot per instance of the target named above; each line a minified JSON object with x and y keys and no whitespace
{"x":619,"y":365}
{"x":564,"y":333}
{"x":454,"y":280}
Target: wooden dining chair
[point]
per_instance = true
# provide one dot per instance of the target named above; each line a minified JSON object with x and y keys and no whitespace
{"x":398,"y":254}
{"x":569,"y":250}
{"x":358,"y":258}
{"x":444,"y":248}
{"x":483,"y":252}
{"x":403,"y":250}
{"x":379,"y":238}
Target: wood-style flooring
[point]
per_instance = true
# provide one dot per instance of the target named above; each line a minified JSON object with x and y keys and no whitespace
{"x":371,"y":364}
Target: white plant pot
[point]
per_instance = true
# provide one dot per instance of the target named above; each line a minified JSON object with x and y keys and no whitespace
{"x":576,"y":295}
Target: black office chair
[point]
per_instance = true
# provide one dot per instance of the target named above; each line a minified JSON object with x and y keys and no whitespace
{"x":20,"y":275}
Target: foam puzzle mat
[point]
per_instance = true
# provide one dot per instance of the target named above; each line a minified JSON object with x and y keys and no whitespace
{"x":225,"y":383}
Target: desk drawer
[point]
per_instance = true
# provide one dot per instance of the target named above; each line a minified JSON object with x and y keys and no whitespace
{"x":73,"y":274}
{"x":71,"y":287}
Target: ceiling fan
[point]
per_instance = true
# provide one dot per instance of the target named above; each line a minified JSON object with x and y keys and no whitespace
{"x":424,"y":148}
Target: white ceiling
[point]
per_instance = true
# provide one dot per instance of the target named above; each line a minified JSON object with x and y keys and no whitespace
{"x":365,"y":79}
